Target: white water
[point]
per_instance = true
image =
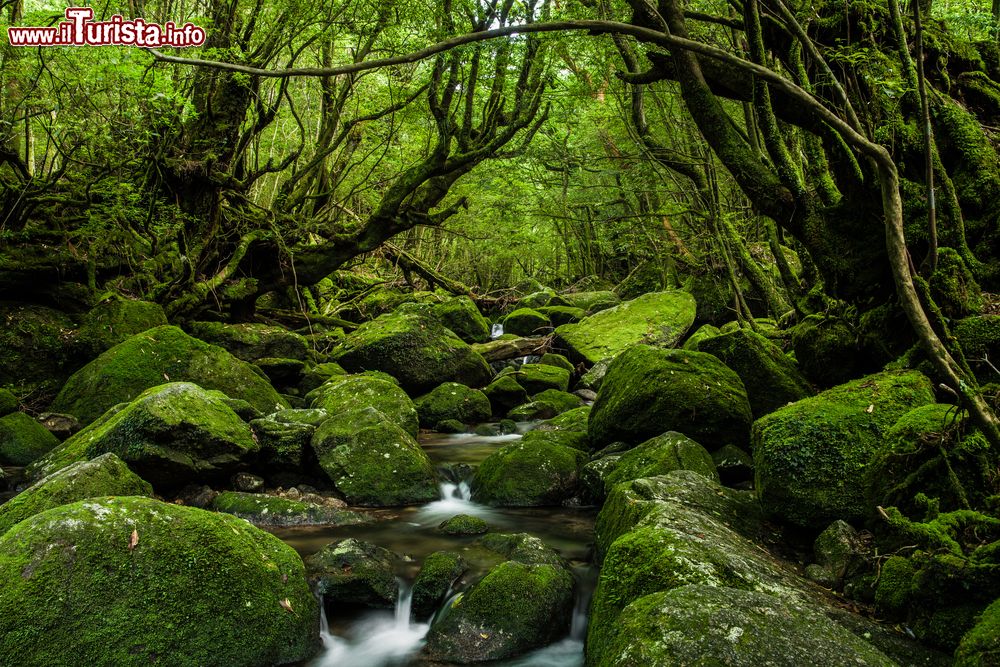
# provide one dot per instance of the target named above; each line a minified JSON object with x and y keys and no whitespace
{"x":376,"y":639}
{"x":456,"y":498}
{"x":496,"y":331}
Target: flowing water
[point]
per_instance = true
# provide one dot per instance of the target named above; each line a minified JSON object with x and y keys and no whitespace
{"x":496,"y":331}
{"x":393,"y":639}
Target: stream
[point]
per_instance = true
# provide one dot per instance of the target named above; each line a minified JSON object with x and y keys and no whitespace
{"x":375,"y":638}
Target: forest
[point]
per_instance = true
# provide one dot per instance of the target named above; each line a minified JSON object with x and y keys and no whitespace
{"x":530,"y":333}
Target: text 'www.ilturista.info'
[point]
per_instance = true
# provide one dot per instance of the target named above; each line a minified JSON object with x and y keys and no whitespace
{"x":79,"y":29}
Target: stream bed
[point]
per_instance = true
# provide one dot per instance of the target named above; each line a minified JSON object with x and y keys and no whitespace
{"x":374,"y":638}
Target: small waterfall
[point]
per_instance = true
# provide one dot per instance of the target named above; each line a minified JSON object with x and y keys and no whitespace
{"x":403,"y":604}
{"x":496,"y":331}
{"x":456,"y":490}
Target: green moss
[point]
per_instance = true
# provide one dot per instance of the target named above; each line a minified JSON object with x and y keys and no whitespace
{"x":355,"y":392}
{"x":113,"y":321}
{"x":591,"y":302}
{"x":464,"y":524}
{"x":8,"y":402}
{"x":352,"y":571}
{"x":515,"y":608}
{"x":981,"y":645}
{"x":660,"y":319}
{"x":314,"y":377}
{"x":568,"y":429}
{"x":206,"y":588}
{"x":810,"y":457}
{"x":559,"y":315}
{"x":23,"y":440}
{"x":894,"y":583}
{"x":522,"y":547}
{"x":35,"y":355}
{"x":373,"y":462}
{"x":437,"y":574}
{"x":980,"y":339}
{"x":660,"y":455}
{"x":282,"y":445}
{"x":505,"y":393}
{"x":953,"y":288}
{"x":827,"y":351}
{"x":557,"y":360}
{"x":150,"y":358}
{"x":106,"y":475}
{"x":251,"y":342}
{"x":263,"y":510}
{"x":648,"y":391}
{"x":526,"y":322}
{"x":171,"y":435}
{"x":416,"y":349}
{"x":545,"y":405}
{"x":533,"y":473}
{"x":462,"y":316}
{"x":537,"y":378}
{"x":771,"y":378}
{"x":536,"y":299}
{"x":704,"y":332}
{"x":453,"y":401}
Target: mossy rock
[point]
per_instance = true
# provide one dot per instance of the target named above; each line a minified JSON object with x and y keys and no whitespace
{"x":980,"y":647}
{"x":536,"y":473}
{"x":139,"y":580}
{"x":354,"y":572}
{"x":150,"y":358}
{"x":35,"y":350}
{"x":23,"y":440}
{"x":282,"y":444}
{"x":733,"y":464}
{"x":462,"y":316}
{"x":438,"y":573}
{"x":546,"y":405}
{"x":251,"y":342}
{"x":568,"y":429}
{"x":659,"y":456}
{"x":355,"y":392}
{"x":810,"y":457}
{"x":714,"y":294}
{"x":559,"y":315}
{"x":453,"y":401}
{"x":591,"y":302}
{"x":523,"y":548}
{"x":980,"y":339}
{"x":416,"y":349}
{"x":171,"y":435}
{"x":372,"y":462}
{"x":649,"y":276}
{"x":8,"y":402}
{"x":660,"y":319}
{"x":708,"y":625}
{"x":827,"y":351}
{"x":536,"y":299}
{"x":504,"y":394}
{"x":953,"y":287}
{"x":464,"y":524}
{"x":513,"y":609}
{"x":113,"y":321}
{"x":703,"y":333}
{"x":771,"y":379}
{"x":261,"y":509}
{"x":557,"y":360}
{"x":317,"y":375}
{"x":536,"y":378}
{"x":526,"y":322}
{"x":594,"y":377}
{"x":892,"y":596}
{"x":106,"y":475}
{"x":648,"y":391}
{"x":284,"y":373}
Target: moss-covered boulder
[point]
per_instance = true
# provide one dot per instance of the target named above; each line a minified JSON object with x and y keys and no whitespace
{"x":153,"y":357}
{"x":649,"y":391}
{"x":557,"y":360}
{"x":106,"y":475}
{"x":568,"y":429}
{"x":438,"y":573}
{"x":709,"y":625}
{"x":526,"y":322}
{"x":251,"y":342}
{"x":170,"y":435}
{"x":452,"y":400}
{"x":734,"y":465}
{"x":354,"y":572}
{"x":771,"y":379}
{"x":23,"y":440}
{"x":658,"y":456}
{"x":953,"y":287}
{"x":516,"y":607}
{"x":537,"y":378}
{"x":261,"y":509}
{"x":416,"y":349}
{"x":462,"y":316}
{"x":704,"y":332}
{"x":536,"y":299}
{"x":464,"y":524}
{"x":980,"y":647}
{"x":8,"y":402}
{"x":810,"y":457}
{"x":372,"y":462}
{"x":827,"y":351}
{"x":282,"y":445}
{"x":113,"y":321}
{"x":594,"y":377}
{"x":141,"y":581}
{"x":546,"y":405}
{"x":559,"y":315}
{"x":505,"y":393}
{"x":535,"y":473}
{"x":356,"y":392}
{"x":660,"y":319}
{"x":35,"y":354}
{"x":980,"y":340}
{"x":591,"y":302}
